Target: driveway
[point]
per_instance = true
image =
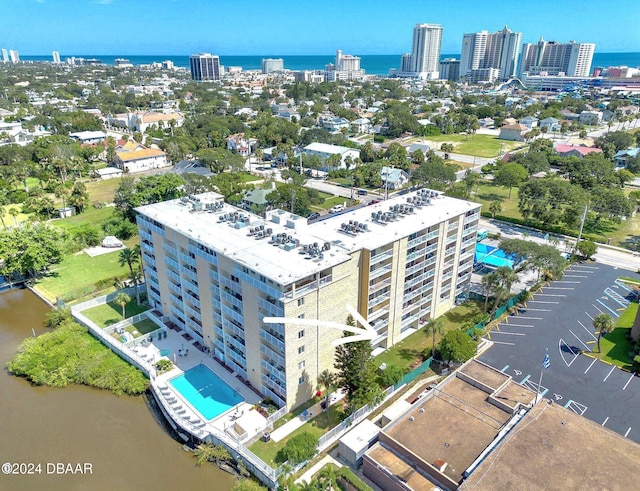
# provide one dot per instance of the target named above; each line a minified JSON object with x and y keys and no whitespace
{"x":558,"y":320}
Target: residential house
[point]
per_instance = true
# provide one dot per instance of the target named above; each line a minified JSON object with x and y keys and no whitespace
{"x":590,"y":117}
{"x":325,"y":150}
{"x":486,"y":122}
{"x":89,"y":137}
{"x":240,"y":144}
{"x":513,"y":132}
{"x":333,"y":123}
{"x":141,"y":121}
{"x":552,"y":124}
{"x":256,"y":198}
{"x":141,"y":159}
{"x":620,"y":158}
{"x":393,"y":178}
{"x":529,"y":121}
{"x":361,"y":125}
{"x":192,"y":167}
{"x":574,"y":150}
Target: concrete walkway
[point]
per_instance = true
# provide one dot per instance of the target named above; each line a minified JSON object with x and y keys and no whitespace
{"x":307,"y":415}
{"x":308,"y":476}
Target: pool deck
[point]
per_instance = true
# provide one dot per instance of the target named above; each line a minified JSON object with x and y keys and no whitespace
{"x":240,"y":420}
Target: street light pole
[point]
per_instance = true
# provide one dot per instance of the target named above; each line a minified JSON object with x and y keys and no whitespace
{"x":582,"y":219}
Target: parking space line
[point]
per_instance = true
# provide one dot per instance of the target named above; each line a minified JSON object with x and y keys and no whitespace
{"x":579,"y":340}
{"x":576,"y":407}
{"x":583,"y":266}
{"x":627,"y":433}
{"x":521,"y":325}
{"x":605,"y":421}
{"x":501,"y":342}
{"x":590,"y":333}
{"x":589,"y":367}
{"x":505,"y":368}
{"x":560,"y":343}
{"x":575,"y":275}
{"x":549,"y":295}
{"x":610,"y":310}
{"x":612,"y":369}
{"x":510,"y":333}
{"x":616,"y":297}
{"x":541,"y":301}
{"x":628,"y":382}
{"x":532,"y":318}
{"x":589,"y":315}
{"x":622,"y":285}
{"x":597,"y":308}
{"x":524,"y":379}
{"x":578,"y":282}
{"x":527,"y":309}
{"x":558,"y":288}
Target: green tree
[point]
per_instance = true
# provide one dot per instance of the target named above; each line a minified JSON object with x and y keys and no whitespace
{"x":510,"y":175}
{"x":587,"y":248}
{"x":506,"y":278}
{"x":435,"y":327}
{"x":604,"y":324}
{"x":246,"y":484}
{"x":299,"y":448}
{"x":490,"y":282}
{"x":14,"y":214}
{"x":355,"y":371}
{"x":457,"y":347}
{"x":122,"y":299}
{"x":207,"y":452}
{"x":495,"y":207}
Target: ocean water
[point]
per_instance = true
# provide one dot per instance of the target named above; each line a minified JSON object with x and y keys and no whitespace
{"x":372,"y":64}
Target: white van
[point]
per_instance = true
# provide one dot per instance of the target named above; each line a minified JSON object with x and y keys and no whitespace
{"x":336,"y":209}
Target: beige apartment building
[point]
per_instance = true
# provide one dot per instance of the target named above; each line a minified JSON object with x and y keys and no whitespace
{"x":218,"y":271}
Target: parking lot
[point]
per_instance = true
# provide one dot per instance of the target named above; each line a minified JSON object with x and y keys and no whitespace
{"x":558,"y":320}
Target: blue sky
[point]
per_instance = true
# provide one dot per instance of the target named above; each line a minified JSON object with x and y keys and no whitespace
{"x":290,"y":27}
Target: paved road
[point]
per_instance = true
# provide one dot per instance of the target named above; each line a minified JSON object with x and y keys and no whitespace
{"x":619,"y":258}
{"x":559,"y":321}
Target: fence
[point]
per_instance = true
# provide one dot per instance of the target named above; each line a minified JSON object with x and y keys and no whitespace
{"x":508,"y":304}
{"x":94,"y":302}
{"x":353,"y":419}
{"x":414,"y":374}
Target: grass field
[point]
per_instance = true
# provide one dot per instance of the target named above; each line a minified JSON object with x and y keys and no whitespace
{"x":476,"y":145}
{"x":318,"y":426}
{"x":102,"y":191}
{"x":408,"y":352}
{"x":488,"y":192}
{"x":8,"y":219}
{"x":92,"y":216}
{"x":329,"y":202}
{"x":615,"y":347}
{"x":79,"y":271}
{"x":110,"y":313}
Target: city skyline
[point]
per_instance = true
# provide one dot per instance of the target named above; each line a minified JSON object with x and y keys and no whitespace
{"x":284,"y":28}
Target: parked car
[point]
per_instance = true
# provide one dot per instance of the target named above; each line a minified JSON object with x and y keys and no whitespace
{"x":336,"y":209}
{"x":362,"y":192}
{"x":313,"y":216}
{"x":373,"y":202}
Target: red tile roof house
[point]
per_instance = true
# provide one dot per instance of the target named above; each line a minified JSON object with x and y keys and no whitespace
{"x":574,"y":150}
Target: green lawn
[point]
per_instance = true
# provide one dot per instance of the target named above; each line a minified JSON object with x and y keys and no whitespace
{"x":92,"y":216}
{"x":247,"y":177}
{"x":102,"y":191}
{"x":318,"y":426}
{"x":79,"y":272}
{"x":341,"y":181}
{"x":8,"y":219}
{"x":615,"y":348}
{"x":330,"y":202}
{"x":408,"y":353}
{"x":476,"y":145}
{"x":110,"y":313}
{"x":488,"y":192}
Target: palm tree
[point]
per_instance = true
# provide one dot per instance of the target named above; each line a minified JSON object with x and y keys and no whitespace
{"x":129,"y":257}
{"x":433,"y":327}
{"x":604,"y":325}
{"x":489,"y":284}
{"x":14,"y":213}
{"x":495,"y":207}
{"x":506,"y":278}
{"x":122,"y":299}
{"x":3,"y":213}
{"x":327,"y":381}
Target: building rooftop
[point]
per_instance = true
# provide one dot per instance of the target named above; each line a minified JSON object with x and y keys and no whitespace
{"x":327,"y":148}
{"x":139,"y":154}
{"x":554,"y":448}
{"x":248,"y":238}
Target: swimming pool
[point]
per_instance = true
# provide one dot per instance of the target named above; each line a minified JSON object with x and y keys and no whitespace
{"x":205,"y":391}
{"x":492,"y":256}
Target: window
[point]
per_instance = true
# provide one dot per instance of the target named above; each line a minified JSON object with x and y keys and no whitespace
{"x":300,"y":334}
{"x":301,"y":316}
{"x":300,"y":301}
{"x":301,"y":349}
{"x":301,"y":365}
{"x":301,"y":380}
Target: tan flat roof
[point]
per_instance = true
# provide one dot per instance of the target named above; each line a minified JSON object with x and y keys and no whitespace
{"x":400,"y":468}
{"x":554,"y":448}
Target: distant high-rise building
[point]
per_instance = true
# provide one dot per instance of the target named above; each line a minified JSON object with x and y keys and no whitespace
{"x":168,"y":65}
{"x":552,"y":58}
{"x":56,"y":57}
{"x":14,"y":56}
{"x":346,"y":67}
{"x":5,"y":55}
{"x":450,"y":69}
{"x":424,"y":61}
{"x":204,"y":66}
{"x":481,"y":50}
{"x":272,"y":65}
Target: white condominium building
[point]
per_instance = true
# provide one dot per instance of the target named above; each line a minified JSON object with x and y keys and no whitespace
{"x":552,"y":58}
{"x":217,"y":271}
{"x":346,"y":67}
{"x":5,"y":55}
{"x":56,"y":56}
{"x":272,"y":65}
{"x":498,"y":50}
{"x":424,"y":60}
{"x":14,"y":56}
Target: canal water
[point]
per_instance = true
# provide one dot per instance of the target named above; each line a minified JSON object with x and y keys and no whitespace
{"x":124,"y":443}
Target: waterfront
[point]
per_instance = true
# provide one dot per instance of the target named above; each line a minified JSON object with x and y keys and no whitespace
{"x":372,"y":64}
{"x":127,"y":447}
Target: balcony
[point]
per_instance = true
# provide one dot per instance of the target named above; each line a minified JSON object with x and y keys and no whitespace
{"x":272,"y":355}
{"x":379,"y":285}
{"x":186,"y":259}
{"x":271,"y":339}
{"x":277,"y":386}
{"x":272,"y":371}
{"x":415,"y":268}
{"x":416,"y":241}
{"x":381,"y":257}
{"x":373,"y":316}
{"x":232,"y":300}
{"x":379,"y":299}
{"x":451,"y":240}
{"x":232,"y":314}
{"x":270,"y":309}
{"x":376,"y":273}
